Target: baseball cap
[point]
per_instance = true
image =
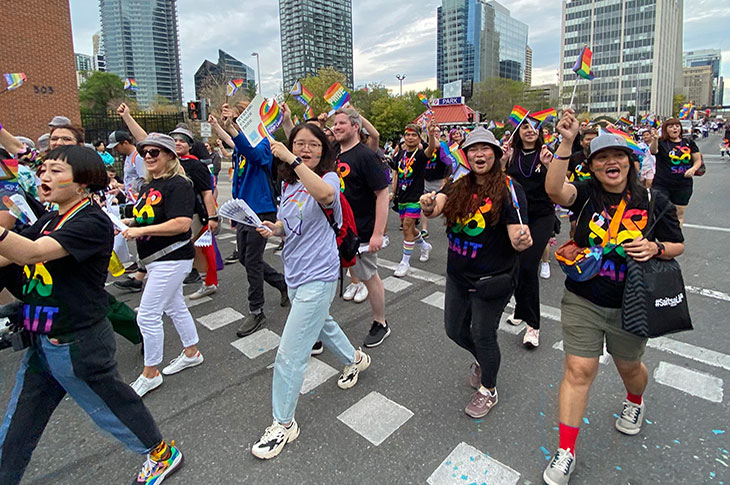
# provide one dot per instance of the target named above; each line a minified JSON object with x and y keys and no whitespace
{"x":159,"y":140}
{"x":185,"y":132}
{"x":117,"y":137}
{"x":59,"y":121}
{"x":607,"y":140}
{"x":482,"y":135}
{"x":44,"y":142}
{"x":28,"y":142}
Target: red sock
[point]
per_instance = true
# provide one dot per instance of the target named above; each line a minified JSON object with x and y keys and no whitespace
{"x":634,"y":398}
{"x":568,"y":436}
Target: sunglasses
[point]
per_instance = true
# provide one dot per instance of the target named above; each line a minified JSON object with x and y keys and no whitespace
{"x":152,"y":152}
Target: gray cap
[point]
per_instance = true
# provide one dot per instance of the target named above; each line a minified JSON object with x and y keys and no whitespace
{"x":44,"y":142}
{"x":59,"y":121}
{"x":117,"y":137}
{"x":607,"y":140}
{"x":482,"y":135}
{"x":28,"y":142}
{"x":185,"y":132}
{"x":159,"y":140}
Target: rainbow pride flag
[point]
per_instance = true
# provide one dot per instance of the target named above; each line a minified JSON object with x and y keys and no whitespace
{"x":233,"y":86}
{"x":625,"y":121}
{"x":424,"y":100}
{"x":455,"y":157}
{"x":130,"y":84}
{"x":498,"y":124}
{"x":301,"y":93}
{"x":515,"y":200}
{"x":550,"y":139}
{"x":271,"y":116}
{"x":517,"y":115}
{"x":629,"y":139}
{"x":544,"y":115}
{"x":308,"y":113}
{"x":686,"y":112}
{"x":295,"y":120}
{"x":14,"y":80}
{"x":337,"y":96}
{"x":583,"y":64}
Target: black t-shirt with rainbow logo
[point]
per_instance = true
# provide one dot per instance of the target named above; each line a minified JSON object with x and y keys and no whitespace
{"x":673,"y":159}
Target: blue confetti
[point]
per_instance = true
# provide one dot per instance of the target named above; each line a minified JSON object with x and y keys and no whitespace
{"x":545,"y":452}
{"x":648,"y":422}
{"x":676,"y":441}
{"x":456,"y":467}
{"x":478,"y":421}
{"x":471,"y":458}
{"x":718,"y":431}
{"x":448,"y":463}
{"x":542,"y":414}
{"x":618,"y":468}
{"x":712,"y":474}
{"x":585,"y":420}
{"x":555,"y":428}
{"x":464,"y":477}
{"x":615,"y":415}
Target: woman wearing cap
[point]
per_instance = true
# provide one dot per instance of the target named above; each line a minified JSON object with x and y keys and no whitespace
{"x":677,"y":161}
{"x":485,"y":236}
{"x":528,"y":166}
{"x":612,"y":208}
{"x":161,"y":225}
{"x":62,"y":261}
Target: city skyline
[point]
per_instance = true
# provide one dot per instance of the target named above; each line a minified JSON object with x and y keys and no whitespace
{"x":383,"y":45}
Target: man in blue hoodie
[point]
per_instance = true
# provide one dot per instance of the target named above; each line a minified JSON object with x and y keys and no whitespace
{"x":252,"y":168}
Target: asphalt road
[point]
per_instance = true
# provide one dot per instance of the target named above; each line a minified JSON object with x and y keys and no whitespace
{"x":404,"y":421}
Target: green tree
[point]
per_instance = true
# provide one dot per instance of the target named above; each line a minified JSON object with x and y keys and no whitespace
{"x":677,"y":102}
{"x":251,"y":90}
{"x":101,"y":91}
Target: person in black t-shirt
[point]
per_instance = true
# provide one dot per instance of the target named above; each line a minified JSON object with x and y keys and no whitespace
{"x":677,"y":160}
{"x":434,"y":175}
{"x":62,"y":262}
{"x":408,"y":188}
{"x":161,"y":225}
{"x":528,"y":166}
{"x":613,"y":211}
{"x":577,"y":166}
{"x":485,"y":235}
{"x":366,"y":189}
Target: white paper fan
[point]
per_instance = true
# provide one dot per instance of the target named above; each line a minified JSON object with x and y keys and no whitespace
{"x":239,"y":211}
{"x":22,"y":206}
{"x":205,"y":240}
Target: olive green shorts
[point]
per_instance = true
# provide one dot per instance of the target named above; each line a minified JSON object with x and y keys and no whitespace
{"x":585,"y":325}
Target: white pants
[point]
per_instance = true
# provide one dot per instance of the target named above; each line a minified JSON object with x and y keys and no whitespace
{"x":163,"y":293}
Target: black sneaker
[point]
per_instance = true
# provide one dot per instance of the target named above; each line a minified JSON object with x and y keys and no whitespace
{"x":284,"y":301}
{"x":232,"y":259}
{"x":132,"y":268}
{"x":130,"y":284}
{"x":317,"y":348}
{"x":377,"y":334}
{"x":192,"y":277}
{"x":251,"y":323}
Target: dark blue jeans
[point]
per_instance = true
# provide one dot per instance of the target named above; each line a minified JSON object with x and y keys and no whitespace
{"x":84,"y":367}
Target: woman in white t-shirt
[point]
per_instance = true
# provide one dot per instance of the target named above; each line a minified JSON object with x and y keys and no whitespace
{"x":311,"y":268}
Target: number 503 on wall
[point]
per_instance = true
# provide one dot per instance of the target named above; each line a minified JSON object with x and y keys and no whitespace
{"x":43,"y":89}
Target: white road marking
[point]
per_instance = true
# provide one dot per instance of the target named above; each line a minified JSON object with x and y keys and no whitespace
{"x":191,"y":303}
{"x":508,"y":327}
{"x":317,"y":373}
{"x":689,"y":351}
{"x":395,"y":285}
{"x":219,"y":319}
{"x":435,"y":299}
{"x":707,"y":228}
{"x":605,"y":357}
{"x":258,"y":343}
{"x":718,"y":295}
{"x":416,"y":273}
{"x":390,"y":417}
{"x":466,"y":464}
{"x":692,"y":382}
{"x":226,"y":236}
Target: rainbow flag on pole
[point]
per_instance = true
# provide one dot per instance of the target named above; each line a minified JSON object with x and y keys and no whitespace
{"x":517,"y":115}
{"x":308,"y":113}
{"x":583,"y":64}
{"x":498,"y":124}
{"x":301,"y":93}
{"x":233,"y":86}
{"x":14,"y":80}
{"x":337,"y":96}
{"x":626,"y":121}
{"x":271,"y":116}
{"x":629,"y":139}
{"x":544,"y":115}
{"x":455,"y":157}
{"x":131,"y":84}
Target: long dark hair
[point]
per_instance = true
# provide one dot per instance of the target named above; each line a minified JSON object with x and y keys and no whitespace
{"x":326,"y":161}
{"x":634,"y":193}
{"x":466,"y":196}
{"x":517,"y":144}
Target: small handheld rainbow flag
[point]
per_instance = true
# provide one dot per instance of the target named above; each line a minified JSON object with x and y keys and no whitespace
{"x":455,"y":157}
{"x":301,"y":93}
{"x":130,"y":84}
{"x":424,"y":100}
{"x":515,"y":202}
{"x":517,"y":115}
{"x":337,"y":96}
{"x":295,"y":120}
{"x":271,"y":116}
{"x":14,"y":80}
{"x":544,"y":115}
{"x":629,"y":139}
{"x":686,"y":112}
{"x":308,"y":113}
{"x":233,"y":86}
{"x":498,"y":124}
{"x":583,"y":64}
{"x":625,"y":121}
{"x":551,"y":139}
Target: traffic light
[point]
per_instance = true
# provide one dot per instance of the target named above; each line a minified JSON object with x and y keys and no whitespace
{"x":194,"y":110}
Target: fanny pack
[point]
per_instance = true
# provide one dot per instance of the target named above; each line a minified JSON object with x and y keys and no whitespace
{"x":143,"y":262}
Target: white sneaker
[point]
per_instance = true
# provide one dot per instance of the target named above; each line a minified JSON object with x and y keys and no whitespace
{"x":204,"y":290}
{"x":182,"y":362}
{"x":350,"y":291}
{"x":362,"y":293}
{"x":545,"y":270}
{"x":425,"y":252}
{"x":531,"y":338}
{"x":273,"y":440}
{"x":514,"y":321}
{"x":143,"y":385}
{"x":350,"y":374}
{"x":402,"y":270}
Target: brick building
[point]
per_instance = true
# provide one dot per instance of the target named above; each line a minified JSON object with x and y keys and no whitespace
{"x":37,"y":41}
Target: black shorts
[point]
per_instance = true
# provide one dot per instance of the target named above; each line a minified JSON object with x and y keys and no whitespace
{"x":677,"y":195}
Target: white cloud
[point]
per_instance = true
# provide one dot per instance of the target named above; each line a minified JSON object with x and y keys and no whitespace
{"x":545,"y":75}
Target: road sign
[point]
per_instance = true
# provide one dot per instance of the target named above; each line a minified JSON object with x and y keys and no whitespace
{"x":205,"y":130}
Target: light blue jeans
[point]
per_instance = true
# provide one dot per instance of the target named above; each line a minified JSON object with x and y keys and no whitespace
{"x":309,"y":320}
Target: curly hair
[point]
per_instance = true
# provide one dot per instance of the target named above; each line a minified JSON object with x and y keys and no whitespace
{"x":326,"y":161}
{"x":517,"y":144}
{"x":465,"y":196}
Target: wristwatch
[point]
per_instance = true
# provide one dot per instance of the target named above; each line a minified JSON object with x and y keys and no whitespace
{"x":661,"y":248}
{"x":297,"y":161}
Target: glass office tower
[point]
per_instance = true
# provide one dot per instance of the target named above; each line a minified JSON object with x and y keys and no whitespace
{"x":458,"y":40}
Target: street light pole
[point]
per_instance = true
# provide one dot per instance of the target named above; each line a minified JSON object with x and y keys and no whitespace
{"x":400,"y":77}
{"x":258,"y":69}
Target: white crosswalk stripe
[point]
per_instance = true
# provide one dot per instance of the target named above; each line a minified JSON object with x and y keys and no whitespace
{"x":467,"y":465}
{"x":390,"y":417}
{"x":219,"y":319}
{"x":395,"y":285}
{"x":692,"y":382}
{"x":258,"y":343}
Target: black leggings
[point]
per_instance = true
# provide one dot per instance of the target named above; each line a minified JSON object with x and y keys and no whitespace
{"x":472,"y":322}
{"x":527,"y":293}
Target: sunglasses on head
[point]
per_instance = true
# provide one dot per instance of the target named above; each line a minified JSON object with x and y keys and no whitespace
{"x":152,"y":152}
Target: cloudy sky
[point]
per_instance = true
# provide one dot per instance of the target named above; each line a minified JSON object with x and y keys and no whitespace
{"x":390,"y":37}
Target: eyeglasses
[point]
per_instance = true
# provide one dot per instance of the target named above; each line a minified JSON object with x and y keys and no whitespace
{"x":65,"y":139}
{"x":152,"y":152}
{"x":313,"y":145}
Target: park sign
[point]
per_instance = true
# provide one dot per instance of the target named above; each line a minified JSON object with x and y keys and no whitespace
{"x":447,"y":101}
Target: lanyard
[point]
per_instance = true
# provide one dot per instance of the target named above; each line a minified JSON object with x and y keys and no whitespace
{"x":614,"y":223}
{"x":68,"y":215}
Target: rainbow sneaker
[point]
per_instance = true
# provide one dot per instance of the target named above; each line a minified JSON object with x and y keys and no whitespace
{"x":155,"y":469}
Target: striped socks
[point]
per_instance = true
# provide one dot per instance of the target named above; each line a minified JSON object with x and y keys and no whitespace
{"x":407,"y":250}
